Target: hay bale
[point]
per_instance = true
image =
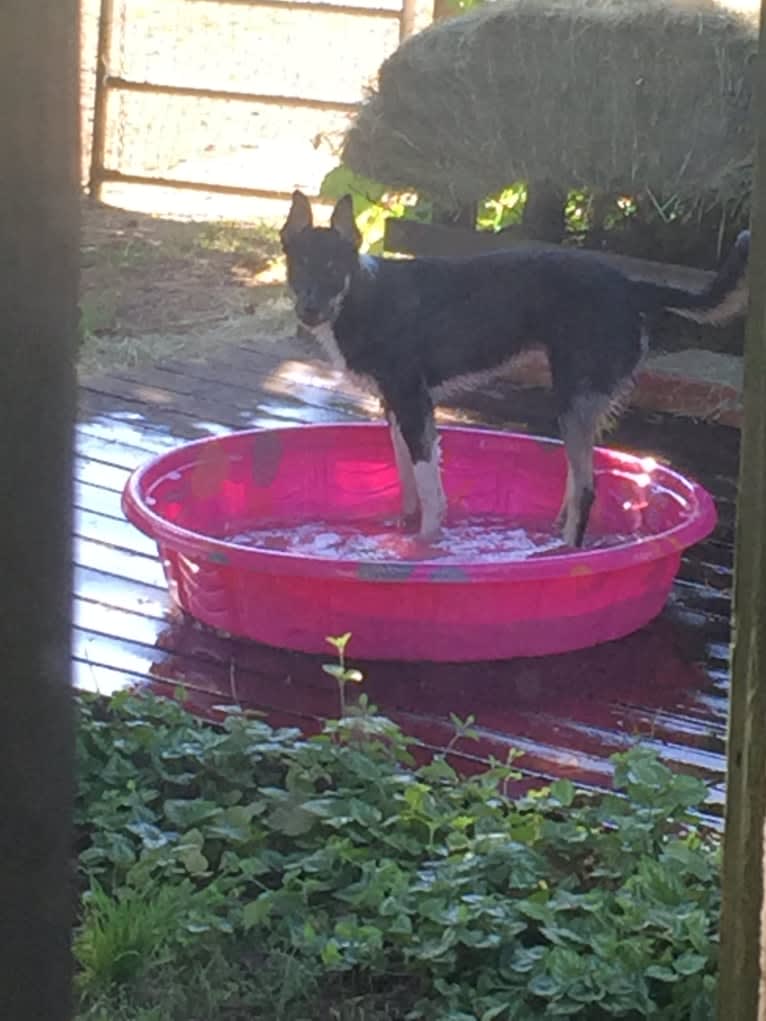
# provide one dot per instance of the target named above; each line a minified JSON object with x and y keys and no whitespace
{"x":612,"y":95}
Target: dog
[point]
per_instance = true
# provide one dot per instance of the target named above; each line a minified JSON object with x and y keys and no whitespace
{"x":412,"y":328}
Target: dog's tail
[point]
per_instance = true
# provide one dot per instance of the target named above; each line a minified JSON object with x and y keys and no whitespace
{"x":723,"y":299}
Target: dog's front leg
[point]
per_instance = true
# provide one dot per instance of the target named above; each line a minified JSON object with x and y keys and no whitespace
{"x":579,"y":425}
{"x":404,"y":467}
{"x":413,"y":411}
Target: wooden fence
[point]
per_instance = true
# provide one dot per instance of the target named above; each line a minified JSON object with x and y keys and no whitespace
{"x":179,"y":99}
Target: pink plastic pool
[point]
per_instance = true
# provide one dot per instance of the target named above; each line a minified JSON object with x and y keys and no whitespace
{"x":289,"y":535}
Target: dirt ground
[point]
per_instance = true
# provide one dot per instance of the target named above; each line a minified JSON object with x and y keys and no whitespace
{"x":153,"y":287}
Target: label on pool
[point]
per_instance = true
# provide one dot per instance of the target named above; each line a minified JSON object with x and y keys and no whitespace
{"x":484,"y":539}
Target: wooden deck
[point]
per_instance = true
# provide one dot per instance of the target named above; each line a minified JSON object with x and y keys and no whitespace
{"x":567,"y":714}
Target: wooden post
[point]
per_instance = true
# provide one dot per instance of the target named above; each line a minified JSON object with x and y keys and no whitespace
{"x":746,"y":770}
{"x":408,"y":19}
{"x":39,"y":257}
{"x":101,"y":97}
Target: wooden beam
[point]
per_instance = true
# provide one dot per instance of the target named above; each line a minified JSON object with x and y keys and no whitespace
{"x":412,"y":238}
{"x":230,"y":95}
{"x":100,"y":98}
{"x":321,"y":7}
{"x":117,"y":177}
{"x":408,"y":19}
{"x":741,"y":936}
{"x":39,"y":256}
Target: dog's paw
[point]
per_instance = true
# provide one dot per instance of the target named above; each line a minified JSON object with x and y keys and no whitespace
{"x":429,"y":532}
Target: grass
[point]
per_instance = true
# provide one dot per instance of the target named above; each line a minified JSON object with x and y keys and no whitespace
{"x":155,"y":289}
{"x":105,"y":352}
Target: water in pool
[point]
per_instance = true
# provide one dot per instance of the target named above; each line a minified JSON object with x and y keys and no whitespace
{"x":480,"y":539}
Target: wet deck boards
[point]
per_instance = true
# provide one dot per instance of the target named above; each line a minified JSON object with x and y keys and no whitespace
{"x":567,"y":714}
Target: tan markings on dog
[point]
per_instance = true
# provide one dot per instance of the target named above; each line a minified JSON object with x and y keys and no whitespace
{"x":471,"y":380}
{"x":405,"y":469}
{"x":733,"y":304}
{"x":428,"y":483}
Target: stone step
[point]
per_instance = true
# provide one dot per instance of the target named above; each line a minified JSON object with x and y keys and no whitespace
{"x":694,"y":383}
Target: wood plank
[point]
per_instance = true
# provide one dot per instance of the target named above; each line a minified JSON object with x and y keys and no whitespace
{"x":94,"y":585}
{"x":111,"y":452}
{"x":115,"y":430}
{"x":249,"y":399}
{"x":118,"y":534}
{"x":40,"y":261}
{"x":409,"y":237}
{"x":220,"y":412}
{"x":742,"y":984}
{"x":583,"y":725}
{"x":96,"y":473}
{"x":95,"y":407}
{"x":118,"y":563}
{"x":276,"y":693}
{"x":105,"y":502}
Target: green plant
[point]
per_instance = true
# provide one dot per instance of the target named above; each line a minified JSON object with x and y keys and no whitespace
{"x":135,"y":929}
{"x":97,"y":314}
{"x":332,"y":877}
{"x":342,"y":674}
{"x":374,"y":203}
{"x":503,"y":209}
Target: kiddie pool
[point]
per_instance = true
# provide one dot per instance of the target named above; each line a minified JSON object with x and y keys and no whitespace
{"x":496,"y":605}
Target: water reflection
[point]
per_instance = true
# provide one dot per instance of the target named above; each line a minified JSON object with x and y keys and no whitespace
{"x":566,"y":713}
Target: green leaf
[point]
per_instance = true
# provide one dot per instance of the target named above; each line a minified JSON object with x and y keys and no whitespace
{"x":492,"y":1012}
{"x":689,"y":790}
{"x":340,"y":642}
{"x":523,"y":960}
{"x":292,"y":820}
{"x":152,"y":837}
{"x":258,"y":911}
{"x":194,"y":861}
{"x":335,"y":670}
{"x":689,"y":963}
{"x":545,"y":986}
{"x":331,"y":954}
{"x":342,"y":181}
{"x":661,"y":973}
{"x":188,"y":813}
{"x":401,"y":925}
{"x":563,"y":791}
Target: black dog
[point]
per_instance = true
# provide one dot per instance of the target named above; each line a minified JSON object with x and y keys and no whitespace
{"x":413,"y":327}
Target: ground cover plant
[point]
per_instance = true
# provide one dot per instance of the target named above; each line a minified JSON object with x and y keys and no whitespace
{"x":243,"y":871}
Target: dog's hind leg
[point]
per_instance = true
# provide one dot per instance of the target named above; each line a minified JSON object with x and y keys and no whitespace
{"x":428,"y":483}
{"x":580,"y":424}
{"x":405,"y":470}
{"x":412,"y":408}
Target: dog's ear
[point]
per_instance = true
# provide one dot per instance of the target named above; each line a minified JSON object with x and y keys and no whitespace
{"x":342,"y":221}
{"x":299,"y":218}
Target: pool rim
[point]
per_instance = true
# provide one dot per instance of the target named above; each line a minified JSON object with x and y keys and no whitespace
{"x":700,"y":523}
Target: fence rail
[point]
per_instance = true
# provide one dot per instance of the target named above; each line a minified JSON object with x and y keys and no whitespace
{"x":109,"y":84}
